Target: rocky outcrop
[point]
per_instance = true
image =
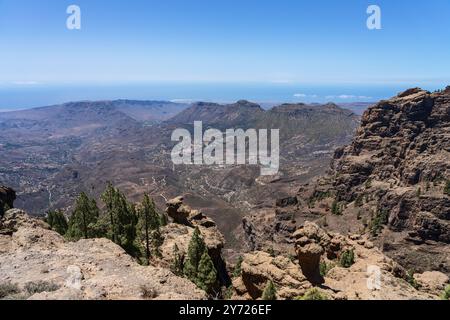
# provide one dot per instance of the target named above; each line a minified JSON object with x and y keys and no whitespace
{"x":7,"y":197}
{"x":368,"y":275}
{"x":310,"y":245}
{"x":179,"y":232}
{"x":258,"y":268}
{"x":433,"y":282}
{"x":185,"y":215}
{"x":31,"y":255}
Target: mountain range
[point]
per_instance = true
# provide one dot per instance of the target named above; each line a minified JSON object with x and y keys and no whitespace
{"x":53,"y":153}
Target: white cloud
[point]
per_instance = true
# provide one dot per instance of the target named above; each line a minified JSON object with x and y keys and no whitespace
{"x":348,"y":97}
{"x":303,"y":95}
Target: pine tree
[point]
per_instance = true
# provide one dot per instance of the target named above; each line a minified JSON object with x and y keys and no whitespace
{"x":126,"y":221}
{"x":199,"y":267}
{"x":108,"y":197}
{"x":335,"y":209}
{"x":84,"y":218}
{"x":157,"y":241}
{"x":195,"y":252}
{"x":122,"y":219}
{"x":177,"y":261}
{"x":57,"y":221}
{"x":148,"y":226}
{"x":270,"y":292}
{"x":207,"y":274}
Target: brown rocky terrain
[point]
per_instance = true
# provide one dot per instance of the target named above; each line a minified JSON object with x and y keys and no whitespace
{"x":39,"y":264}
{"x":296,"y":275}
{"x":388,"y":184}
{"x":94,"y":269}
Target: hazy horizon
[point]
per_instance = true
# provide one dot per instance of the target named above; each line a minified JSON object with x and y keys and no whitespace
{"x":27,"y":96}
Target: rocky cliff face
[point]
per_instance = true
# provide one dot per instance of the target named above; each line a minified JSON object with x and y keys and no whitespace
{"x":39,"y":264}
{"x":396,"y":170}
{"x":389,"y":183}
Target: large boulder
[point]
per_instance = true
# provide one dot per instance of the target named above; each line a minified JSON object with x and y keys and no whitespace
{"x":311,"y":243}
{"x":258,"y":268}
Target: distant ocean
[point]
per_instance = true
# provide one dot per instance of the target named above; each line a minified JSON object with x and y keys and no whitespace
{"x":25,"y":96}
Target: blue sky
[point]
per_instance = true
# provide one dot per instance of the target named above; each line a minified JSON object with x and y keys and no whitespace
{"x":321,"y":42}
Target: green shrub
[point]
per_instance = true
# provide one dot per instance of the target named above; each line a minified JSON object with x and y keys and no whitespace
{"x":347,"y":258}
{"x":228,"y":293}
{"x":447,"y":188}
{"x":336,"y":208}
{"x":8,"y":289}
{"x":378,"y":222}
{"x":270,"y":292}
{"x":272,"y":252}
{"x":313,"y":294}
{"x":446,"y":294}
{"x":40,"y":286}
{"x":238,"y":268}
{"x":410,"y":279}
{"x":325,"y":268}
